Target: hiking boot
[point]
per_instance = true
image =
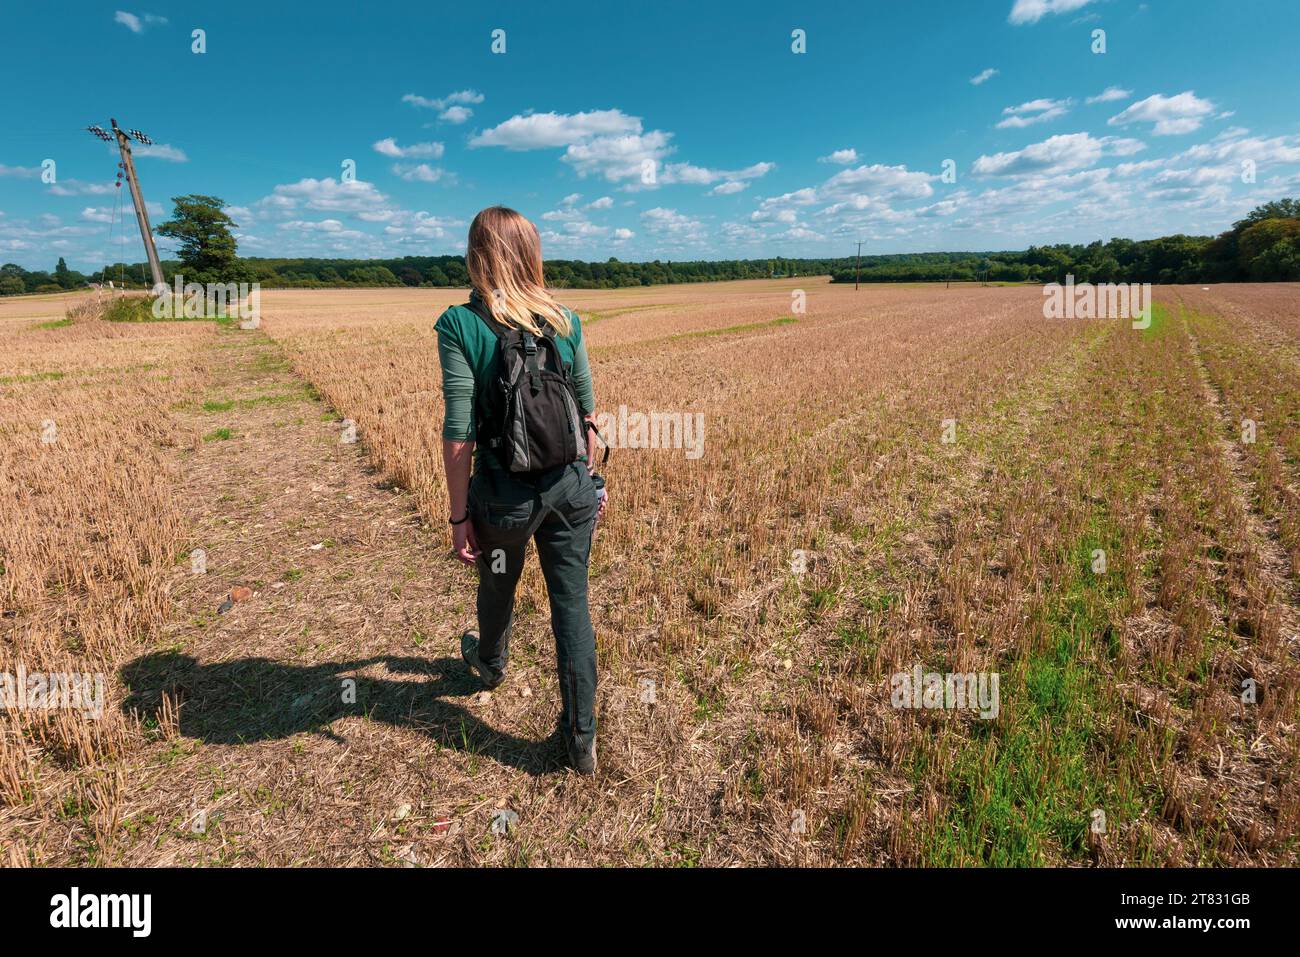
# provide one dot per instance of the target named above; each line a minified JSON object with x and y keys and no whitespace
{"x":583,"y":760}
{"x":469,"y":652}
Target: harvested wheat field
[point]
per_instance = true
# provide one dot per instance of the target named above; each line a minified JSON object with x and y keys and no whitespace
{"x":1105,"y":518}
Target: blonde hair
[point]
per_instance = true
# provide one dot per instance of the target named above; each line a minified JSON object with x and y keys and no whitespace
{"x":504,"y":259}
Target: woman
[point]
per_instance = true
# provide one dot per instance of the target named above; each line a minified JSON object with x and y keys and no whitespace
{"x":496,"y":512}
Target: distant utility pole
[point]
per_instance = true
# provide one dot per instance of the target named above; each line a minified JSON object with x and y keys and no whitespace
{"x":855,"y":267}
{"x":137,"y":197}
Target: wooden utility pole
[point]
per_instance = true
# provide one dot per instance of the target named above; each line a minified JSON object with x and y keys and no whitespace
{"x":855,"y":267}
{"x":137,"y":196}
{"x":141,"y":214}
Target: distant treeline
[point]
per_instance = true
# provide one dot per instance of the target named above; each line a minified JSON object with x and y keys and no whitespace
{"x":1263,"y":247}
{"x":431,"y":271}
{"x":562,"y":273}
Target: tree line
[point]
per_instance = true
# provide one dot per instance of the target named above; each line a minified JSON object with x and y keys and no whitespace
{"x":1263,"y":247}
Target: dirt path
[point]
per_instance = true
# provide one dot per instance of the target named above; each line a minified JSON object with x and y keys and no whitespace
{"x":1275,"y":565}
{"x":280,"y":759}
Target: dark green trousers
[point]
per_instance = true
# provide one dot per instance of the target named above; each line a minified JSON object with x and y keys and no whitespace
{"x":557,"y":510}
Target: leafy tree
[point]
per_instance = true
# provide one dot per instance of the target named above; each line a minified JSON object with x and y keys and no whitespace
{"x":1264,"y":234}
{"x":456,"y":272}
{"x":207,"y":249}
{"x":1278,"y":209}
{"x":1280,"y":262}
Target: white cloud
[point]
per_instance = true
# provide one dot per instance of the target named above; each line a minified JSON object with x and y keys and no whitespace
{"x":104,"y":214}
{"x":842,"y":157}
{"x":20,"y":172}
{"x":575,"y":232}
{"x":1136,"y":169}
{"x":983,"y":76}
{"x":1234,"y":146}
{"x":329,"y":227}
{"x":801,"y":234}
{"x":1031,"y":11}
{"x":162,"y":151}
{"x":622,"y":233}
{"x":584,"y":229}
{"x":1035,"y":111}
{"x":534,"y":131}
{"x":421,"y":226}
{"x":732,"y":180}
{"x":671,"y":225}
{"x":388,"y":147}
{"x":565,"y":212}
{"x":1197,"y":176}
{"x":879,"y":179}
{"x":1171,"y":115}
{"x":1109,"y":95}
{"x":1122,"y":146}
{"x":418,"y":173}
{"x":456,"y":114}
{"x":609,"y":144}
{"x":781,"y":208}
{"x":857,"y":195}
{"x":472,"y":97}
{"x":136,"y":24}
{"x":76,"y":187}
{"x":573,"y":226}
{"x":1056,"y":154}
{"x":357,"y":197}
{"x":619,"y":158}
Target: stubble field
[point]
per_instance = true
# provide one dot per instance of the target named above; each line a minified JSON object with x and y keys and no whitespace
{"x":892,"y":478}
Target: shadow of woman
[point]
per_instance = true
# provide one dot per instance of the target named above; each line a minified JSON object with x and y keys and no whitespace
{"x":257,"y":699}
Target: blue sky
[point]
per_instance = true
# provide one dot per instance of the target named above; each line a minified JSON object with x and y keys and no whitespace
{"x":671,"y":130}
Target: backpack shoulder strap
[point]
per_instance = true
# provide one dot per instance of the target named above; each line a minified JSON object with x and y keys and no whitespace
{"x":480,"y":310}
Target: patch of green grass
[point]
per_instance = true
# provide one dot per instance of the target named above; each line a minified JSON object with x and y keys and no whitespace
{"x":31,"y":377}
{"x":1024,"y":787}
{"x":729,"y":330}
{"x":53,"y":324}
{"x":219,"y":435}
{"x":305,"y":394}
{"x":130,"y":309}
{"x":271,"y":362}
{"x":821,"y":599}
{"x":223,"y":405}
{"x":1159,"y":319}
{"x":856,"y":636}
{"x":591,"y":317}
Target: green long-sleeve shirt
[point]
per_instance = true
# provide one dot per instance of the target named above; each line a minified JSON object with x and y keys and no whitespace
{"x":467,"y":350}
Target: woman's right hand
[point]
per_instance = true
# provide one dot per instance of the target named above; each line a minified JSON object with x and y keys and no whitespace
{"x":463,"y":543}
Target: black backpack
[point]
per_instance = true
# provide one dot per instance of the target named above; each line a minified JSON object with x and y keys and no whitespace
{"x":529,"y":417}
